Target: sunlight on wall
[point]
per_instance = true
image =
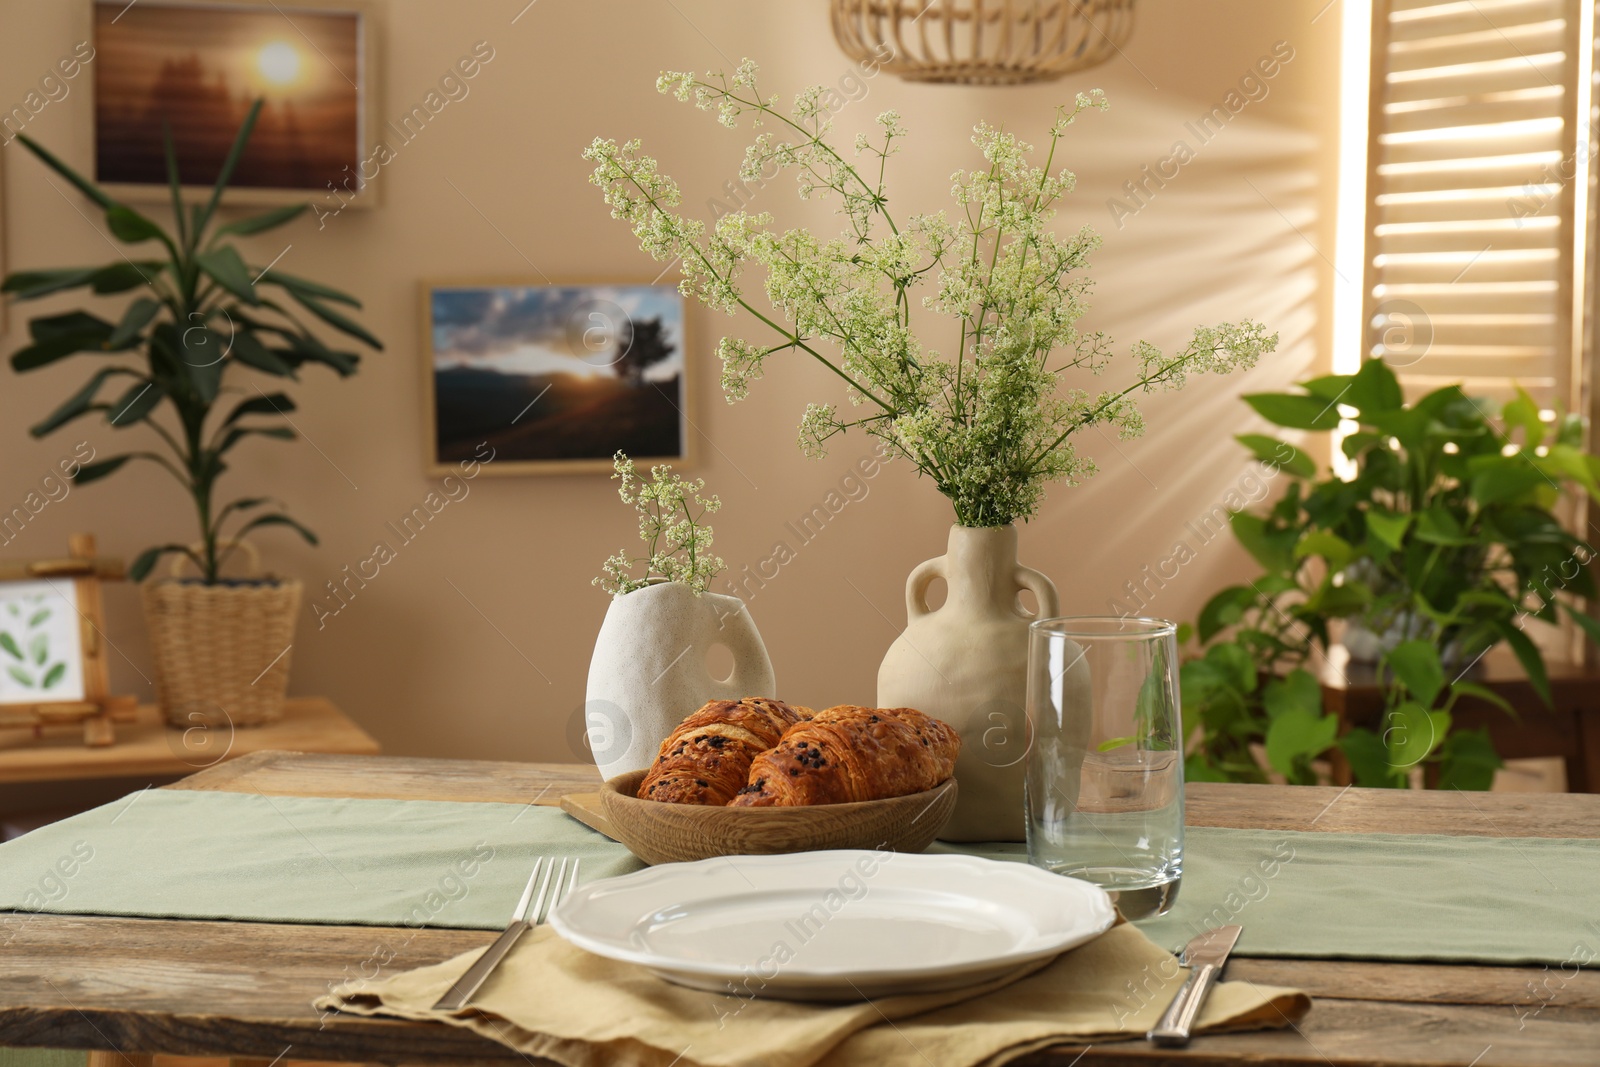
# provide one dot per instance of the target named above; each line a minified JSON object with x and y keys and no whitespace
{"x":1349,"y":326}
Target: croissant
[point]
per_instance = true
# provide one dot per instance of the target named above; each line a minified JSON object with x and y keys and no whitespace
{"x":849,"y":753}
{"x":706,"y":760}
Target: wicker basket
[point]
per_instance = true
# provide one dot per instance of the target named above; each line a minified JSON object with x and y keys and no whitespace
{"x":221,"y":651}
{"x":982,"y":42}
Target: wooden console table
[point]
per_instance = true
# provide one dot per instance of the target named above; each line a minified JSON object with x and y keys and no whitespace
{"x":148,"y":746}
{"x":43,"y":778}
{"x":1570,"y":730}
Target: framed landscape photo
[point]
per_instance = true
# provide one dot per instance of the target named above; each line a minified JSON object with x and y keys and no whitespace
{"x":196,"y":66}
{"x":555,"y":378}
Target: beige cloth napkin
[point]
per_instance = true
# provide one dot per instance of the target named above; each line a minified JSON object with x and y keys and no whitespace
{"x":552,"y":999}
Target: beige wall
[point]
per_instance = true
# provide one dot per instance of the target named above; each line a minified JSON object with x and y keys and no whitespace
{"x":475,"y":641}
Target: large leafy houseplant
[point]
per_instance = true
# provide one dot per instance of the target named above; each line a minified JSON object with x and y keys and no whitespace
{"x":984,"y":415}
{"x":1445,"y":539}
{"x":201,"y":310}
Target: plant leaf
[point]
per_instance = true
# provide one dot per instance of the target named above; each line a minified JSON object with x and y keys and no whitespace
{"x":1411,"y":732}
{"x":1374,"y":388}
{"x":1294,"y":411}
{"x":29,"y":284}
{"x":43,"y":353}
{"x":295,"y":284}
{"x":1528,"y":655}
{"x":238,"y":433}
{"x":1223,"y":610}
{"x":225,"y":175}
{"x":343,"y":362}
{"x":268,"y":404}
{"x":1296,"y":691}
{"x":93,"y":472}
{"x":276,"y":519}
{"x":1507,"y":480}
{"x":224,"y":266}
{"x":130,"y":227}
{"x":134,"y":320}
{"x":9,"y":643}
{"x":20,"y":675}
{"x":1587,"y":623}
{"x":39,"y":647}
{"x":266,"y":221}
{"x":120,"y":277}
{"x":53,"y":676}
{"x":84,"y":185}
{"x":1468,"y":760}
{"x":140,"y":399}
{"x":1483,"y":692}
{"x":174,"y":181}
{"x":78,"y":403}
{"x":203,"y":352}
{"x":1271,"y":548}
{"x":146,"y":560}
{"x":1298,"y":735}
{"x":336,"y":320}
{"x":71,"y":324}
{"x":1280,"y":454}
{"x":1327,"y":544}
{"x":1523,"y":413}
{"x":1387,"y":526}
{"x":1438,"y":526}
{"x":1416,"y":664}
{"x":248,"y":349}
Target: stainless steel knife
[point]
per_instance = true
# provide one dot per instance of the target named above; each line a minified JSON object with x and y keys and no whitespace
{"x":1206,"y":955}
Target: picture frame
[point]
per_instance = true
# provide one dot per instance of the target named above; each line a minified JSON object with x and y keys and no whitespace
{"x":53,"y":662}
{"x":334,"y":79}
{"x":602,"y":365}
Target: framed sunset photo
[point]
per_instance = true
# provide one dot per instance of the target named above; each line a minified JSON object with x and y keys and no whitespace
{"x":195,"y":68}
{"x":554,"y":378}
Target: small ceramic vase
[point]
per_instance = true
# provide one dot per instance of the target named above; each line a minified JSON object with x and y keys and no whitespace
{"x":648,"y":672}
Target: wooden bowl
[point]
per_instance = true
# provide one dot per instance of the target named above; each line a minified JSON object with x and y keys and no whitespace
{"x":675,"y":833}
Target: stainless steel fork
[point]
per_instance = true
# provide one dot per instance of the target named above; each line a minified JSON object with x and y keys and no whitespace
{"x":523,"y":919}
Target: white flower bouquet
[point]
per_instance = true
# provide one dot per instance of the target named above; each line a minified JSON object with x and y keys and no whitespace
{"x":987,"y":418}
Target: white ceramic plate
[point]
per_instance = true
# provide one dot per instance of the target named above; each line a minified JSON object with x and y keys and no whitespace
{"x":840,"y":925}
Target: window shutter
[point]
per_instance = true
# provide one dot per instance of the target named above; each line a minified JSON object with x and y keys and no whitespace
{"x":1477,"y":194}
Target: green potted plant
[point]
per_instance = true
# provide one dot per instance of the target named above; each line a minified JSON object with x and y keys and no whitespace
{"x":1440,"y":546}
{"x":202,"y":319}
{"x":987,"y":407}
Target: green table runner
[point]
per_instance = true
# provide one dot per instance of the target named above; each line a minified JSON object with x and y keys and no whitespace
{"x":203,"y":855}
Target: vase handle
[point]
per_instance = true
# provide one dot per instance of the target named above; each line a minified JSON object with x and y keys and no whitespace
{"x":751,"y":665}
{"x":1043,"y":589}
{"x":917,"y":587}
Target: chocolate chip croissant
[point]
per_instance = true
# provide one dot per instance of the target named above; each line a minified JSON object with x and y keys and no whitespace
{"x":850,"y":753}
{"x":706,"y":760}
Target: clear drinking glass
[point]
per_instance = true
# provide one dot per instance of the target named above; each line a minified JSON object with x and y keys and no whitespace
{"x":1105,"y":768}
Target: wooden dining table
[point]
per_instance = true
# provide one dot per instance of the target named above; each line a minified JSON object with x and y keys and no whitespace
{"x":125,"y":989}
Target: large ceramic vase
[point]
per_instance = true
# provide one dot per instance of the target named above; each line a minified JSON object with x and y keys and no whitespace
{"x":966,"y":663}
{"x":649,"y":669}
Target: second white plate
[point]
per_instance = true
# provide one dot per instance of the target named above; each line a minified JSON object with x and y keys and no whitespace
{"x":833,"y":925}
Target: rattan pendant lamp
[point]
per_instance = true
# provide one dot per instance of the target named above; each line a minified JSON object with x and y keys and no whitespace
{"x":982,"y":42}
